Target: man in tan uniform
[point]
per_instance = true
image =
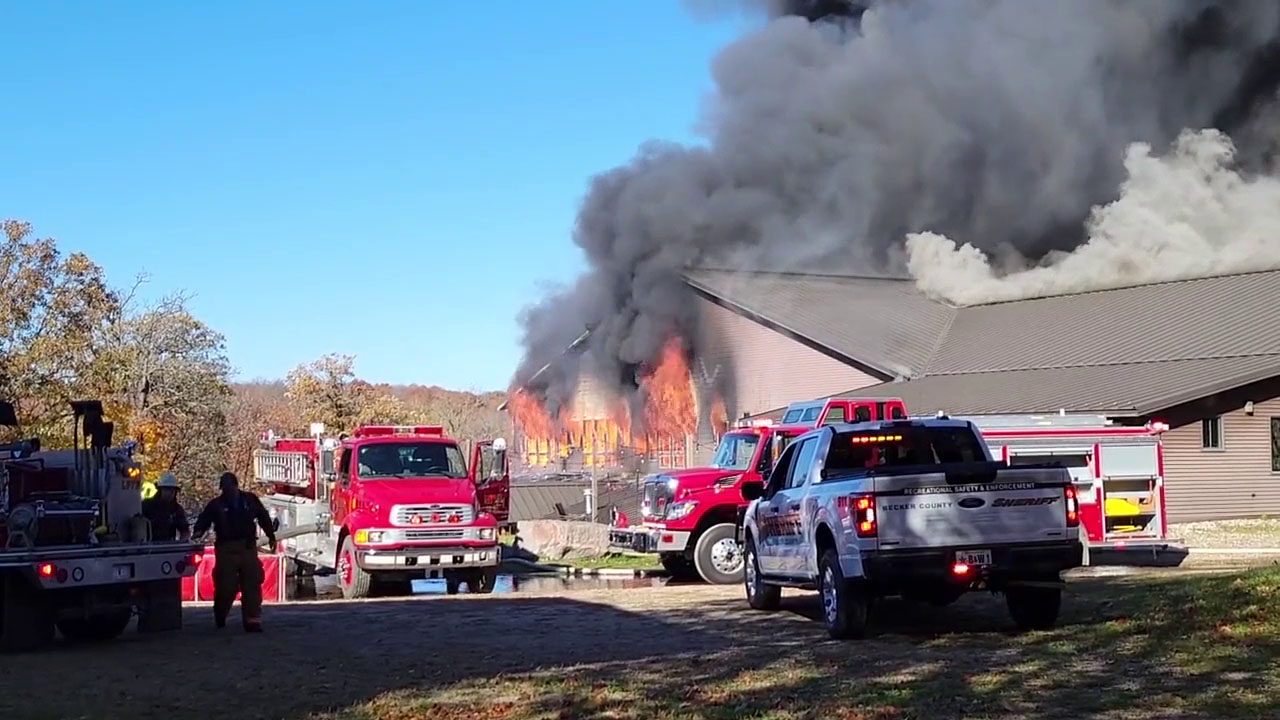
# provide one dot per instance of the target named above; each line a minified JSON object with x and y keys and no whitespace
{"x":236,"y":568}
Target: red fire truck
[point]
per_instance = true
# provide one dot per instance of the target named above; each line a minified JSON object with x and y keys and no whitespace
{"x":690,"y":517}
{"x":388,"y":505}
{"x":1118,"y":471}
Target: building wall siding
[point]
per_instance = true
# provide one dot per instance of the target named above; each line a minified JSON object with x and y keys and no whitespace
{"x":1233,"y":482}
{"x":759,"y":369}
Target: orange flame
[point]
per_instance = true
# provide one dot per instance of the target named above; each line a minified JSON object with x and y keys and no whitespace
{"x":529,"y":415}
{"x":670,"y":417}
{"x":670,"y":408}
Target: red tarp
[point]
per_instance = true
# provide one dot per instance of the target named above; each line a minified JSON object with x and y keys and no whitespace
{"x":199,"y":588}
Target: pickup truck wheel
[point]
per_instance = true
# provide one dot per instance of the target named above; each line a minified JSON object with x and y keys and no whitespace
{"x":353,"y":581}
{"x":760,"y":595}
{"x":845,"y":605}
{"x":1034,"y":608}
{"x":452,"y":581}
{"x":718,"y":556}
{"x":96,"y":628}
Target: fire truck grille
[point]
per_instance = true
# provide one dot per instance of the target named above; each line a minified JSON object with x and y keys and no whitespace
{"x":432,"y":515}
{"x":434,"y":534}
{"x":657,"y":496}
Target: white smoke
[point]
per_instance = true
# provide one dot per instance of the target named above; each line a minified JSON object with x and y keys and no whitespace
{"x":1186,"y":214}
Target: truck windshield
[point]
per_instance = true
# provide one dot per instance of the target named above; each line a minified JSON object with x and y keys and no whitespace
{"x":867,"y":450}
{"x":735,"y":452}
{"x":411,"y":460}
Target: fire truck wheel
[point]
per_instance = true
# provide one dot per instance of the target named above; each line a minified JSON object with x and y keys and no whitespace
{"x":96,"y":628}
{"x":1034,"y":608}
{"x":760,"y":595}
{"x":352,"y":579}
{"x":481,"y":581}
{"x":845,"y":605}
{"x":677,"y":566}
{"x":718,"y":556}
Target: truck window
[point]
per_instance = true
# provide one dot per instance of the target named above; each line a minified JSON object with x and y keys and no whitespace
{"x":867,"y":450}
{"x":835,"y":416}
{"x":811,"y":414}
{"x":735,"y":452}
{"x":792,"y":416}
{"x":344,"y":465}
{"x":897,"y":413}
{"x":779,"y":473}
{"x":799,"y":470}
{"x":862,"y":414}
{"x":411,"y":460}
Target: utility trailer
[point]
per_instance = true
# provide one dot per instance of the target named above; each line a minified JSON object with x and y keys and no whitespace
{"x":76,"y":555}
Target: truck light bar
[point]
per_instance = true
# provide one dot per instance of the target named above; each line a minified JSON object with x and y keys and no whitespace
{"x":862,"y":439}
{"x":376,"y":430}
{"x":747,"y":423}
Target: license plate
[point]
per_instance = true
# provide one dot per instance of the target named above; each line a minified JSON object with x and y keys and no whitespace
{"x":974,"y":557}
{"x":122,"y":572}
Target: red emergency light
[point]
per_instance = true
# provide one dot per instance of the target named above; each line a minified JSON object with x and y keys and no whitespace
{"x":378,"y":430}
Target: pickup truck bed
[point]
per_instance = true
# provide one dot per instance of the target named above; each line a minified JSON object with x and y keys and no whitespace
{"x":911,"y":508}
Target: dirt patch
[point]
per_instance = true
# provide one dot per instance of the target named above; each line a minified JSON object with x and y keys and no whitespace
{"x":679,"y":651}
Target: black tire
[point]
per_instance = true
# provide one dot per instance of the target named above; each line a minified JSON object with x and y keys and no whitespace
{"x":1034,"y":608}
{"x":96,"y":628}
{"x":845,"y":604}
{"x":760,"y":595}
{"x":482,"y":580}
{"x":677,"y":566}
{"x":709,"y":555}
{"x":392,"y":587}
{"x":452,"y":581}
{"x":353,"y":581}
{"x":26,"y":616}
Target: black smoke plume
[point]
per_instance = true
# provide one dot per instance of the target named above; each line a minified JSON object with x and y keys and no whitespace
{"x":838,"y":129}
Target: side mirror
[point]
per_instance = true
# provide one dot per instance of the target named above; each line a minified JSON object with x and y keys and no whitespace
{"x":326,"y":461}
{"x":752,"y":490}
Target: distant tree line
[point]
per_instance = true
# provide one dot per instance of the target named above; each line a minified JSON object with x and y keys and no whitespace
{"x":164,"y":377}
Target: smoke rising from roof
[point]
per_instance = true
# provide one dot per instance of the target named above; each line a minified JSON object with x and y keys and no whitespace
{"x":835,"y":134}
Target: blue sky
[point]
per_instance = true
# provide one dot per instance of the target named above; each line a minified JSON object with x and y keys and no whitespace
{"x":394,"y":180}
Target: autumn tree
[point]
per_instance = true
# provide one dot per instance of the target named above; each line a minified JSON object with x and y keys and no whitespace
{"x":53,"y":312}
{"x":327,"y":390}
{"x":167,"y":379}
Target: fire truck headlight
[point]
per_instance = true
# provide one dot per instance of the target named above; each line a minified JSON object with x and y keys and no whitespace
{"x":369,"y":537}
{"x":672,"y":483}
{"x":680,"y":509}
{"x":486,"y":533}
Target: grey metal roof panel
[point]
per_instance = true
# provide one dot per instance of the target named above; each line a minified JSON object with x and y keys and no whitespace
{"x":882,"y":322}
{"x":1226,"y":316}
{"x":1121,"y":389}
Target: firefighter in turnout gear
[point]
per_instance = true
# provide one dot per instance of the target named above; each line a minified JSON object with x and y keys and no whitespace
{"x":233,"y":516}
{"x":164,"y":512}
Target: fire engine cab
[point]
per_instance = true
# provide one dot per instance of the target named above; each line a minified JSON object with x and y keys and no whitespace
{"x":1118,"y":472}
{"x":388,"y":505}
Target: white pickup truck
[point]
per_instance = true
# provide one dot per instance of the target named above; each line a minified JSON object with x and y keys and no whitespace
{"x":915,"y":508}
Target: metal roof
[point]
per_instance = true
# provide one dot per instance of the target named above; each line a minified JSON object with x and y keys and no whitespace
{"x":883,"y":323}
{"x":1124,"y":351}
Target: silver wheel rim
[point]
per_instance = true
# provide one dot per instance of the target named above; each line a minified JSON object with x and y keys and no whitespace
{"x":750,"y":569}
{"x":726,"y":556}
{"x":829,"y":599}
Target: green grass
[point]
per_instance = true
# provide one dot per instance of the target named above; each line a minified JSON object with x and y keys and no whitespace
{"x":1185,"y":647}
{"x":616,"y":561}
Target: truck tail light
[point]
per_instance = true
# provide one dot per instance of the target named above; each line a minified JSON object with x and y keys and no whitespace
{"x":864,"y":515}
{"x":46,"y":570}
{"x":1073,"y":506}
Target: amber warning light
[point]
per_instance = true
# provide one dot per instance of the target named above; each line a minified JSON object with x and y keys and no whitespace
{"x":863,"y":439}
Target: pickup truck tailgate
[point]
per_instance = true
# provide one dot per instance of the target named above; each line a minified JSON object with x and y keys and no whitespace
{"x":979,"y":505}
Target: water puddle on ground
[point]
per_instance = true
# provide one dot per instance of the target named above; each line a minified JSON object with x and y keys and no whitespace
{"x":326,"y":588}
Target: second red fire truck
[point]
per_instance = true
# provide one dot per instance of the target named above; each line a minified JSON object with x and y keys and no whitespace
{"x":388,"y":505}
{"x":690,"y":517}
